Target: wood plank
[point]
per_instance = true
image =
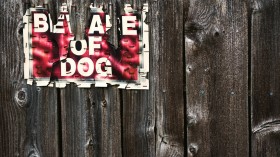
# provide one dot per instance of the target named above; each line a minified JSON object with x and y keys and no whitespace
{"x":265,"y":73}
{"x":76,"y":109}
{"x":110,"y":135}
{"x":141,"y":130}
{"x":91,"y":122}
{"x":74,"y":121}
{"x":107,"y":122}
{"x":216,"y":39}
{"x":42,"y":116}
{"x":167,"y":76}
{"x":91,"y":118}
{"x":138,"y":113}
{"x":152,"y":126}
{"x":138,"y":124}
{"x":12,"y":116}
{"x":28,"y":115}
{"x":42,"y":123}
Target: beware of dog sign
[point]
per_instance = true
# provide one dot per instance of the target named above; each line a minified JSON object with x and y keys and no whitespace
{"x":53,"y":57}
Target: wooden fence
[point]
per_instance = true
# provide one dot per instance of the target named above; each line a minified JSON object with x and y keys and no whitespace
{"x":214,"y":86}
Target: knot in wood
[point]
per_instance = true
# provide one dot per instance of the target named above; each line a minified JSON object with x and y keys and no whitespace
{"x":191,"y":120}
{"x":104,"y":103}
{"x":216,"y":34}
{"x":20,"y":29}
{"x":189,"y":68}
{"x":21,"y":97}
{"x":33,"y":153}
{"x":256,"y":6}
{"x":90,"y":142}
{"x":192,"y":30}
{"x":193,"y":148}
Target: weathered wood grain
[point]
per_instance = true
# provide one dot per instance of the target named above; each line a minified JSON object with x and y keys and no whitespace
{"x":138,"y":113}
{"x":216,"y":41}
{"x":265,"y":98}
{"x":28,"y":115}
{"x":91,"y":118}
{"x":12,"y":116}
{"x":227,"y":48}
{"x":107,"y":132}
{"x":111,"y":122}
{"x":74,"y":121}
{"x":90,"y":122}
{"x":76,"y":109}
{"x":166,"y":76}
{"x":138,"y":124}
{"x":42,"y":125}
